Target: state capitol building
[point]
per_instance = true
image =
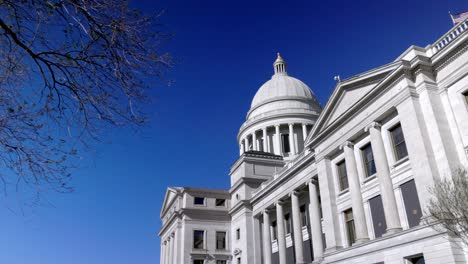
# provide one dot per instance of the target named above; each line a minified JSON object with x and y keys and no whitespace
{"x":345,"y":183}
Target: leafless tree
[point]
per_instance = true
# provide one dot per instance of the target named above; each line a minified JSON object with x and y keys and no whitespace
{"x":449,"y":204}
{"x":68,"y":69}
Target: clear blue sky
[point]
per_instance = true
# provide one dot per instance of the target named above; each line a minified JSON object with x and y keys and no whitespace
{"x":225,"y":51}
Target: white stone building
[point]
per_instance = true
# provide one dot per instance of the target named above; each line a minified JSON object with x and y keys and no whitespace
{"x":348,"y":183}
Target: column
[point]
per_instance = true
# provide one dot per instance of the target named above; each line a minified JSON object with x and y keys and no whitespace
{"x":254,"y":141}
{"x":257,"y":238}
{"x":385,"y":181}
{"x":246,"y":143}
{"x":169,"y":251}
{"x":277,"y":140}
{"x":266,"y":237}
{"x":291,"y":139}
{"x":355,"y":191}
{"x":281,"y":232}
{"x":241,"y":147}
{"x":297,"y":227}
{"x":315,"y":222}
{"x":174,"y":248}
{"x":265,"y":140}
{"x":163,"y":252}
{"x":304,"y":131}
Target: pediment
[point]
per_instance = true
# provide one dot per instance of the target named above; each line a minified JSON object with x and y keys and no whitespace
{"x":347,"y":94}
{"x":171,"y":194}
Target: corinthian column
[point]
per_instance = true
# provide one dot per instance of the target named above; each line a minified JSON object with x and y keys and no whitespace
{"x":297,"y":228}
{"x":385,"y":181}
{"x":315,"y":222}
{"x":355,"y":191}
{"x":266,"y":237}
{"x":281,"y":232}
{"x":291,"y":139}
{"x":277,"y":140}
{"x":265,"y":140}
{"x":254,"y":141}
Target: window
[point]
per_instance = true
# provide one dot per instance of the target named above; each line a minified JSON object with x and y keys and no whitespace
{"x":303,"y":215}
{"x":416,"y":260}
{"x":238,"y":260}
{"x":411,"y":201}
{"x":465,"y":95}
{"x":350,"y":230}
{"x":399,"y":145}
{"x":285,"y":142}
{"x":198,"y":261}
{"x":378,"y":216}
{"x":368,"y":158}
{"x":261,"y":145}
{"x":220,"y":240}
{"x":221,"y":202}
{"x":198,"y":237}
{"x":199,"y":201}
{"x":221,"y":262}
{"x":238,"y":233}
{"x":274,"y":227}
{"x":342,"y":176}
{"x":287,"y":221}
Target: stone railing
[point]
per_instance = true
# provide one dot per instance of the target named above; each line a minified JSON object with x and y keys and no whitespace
{"x":450,"y":36}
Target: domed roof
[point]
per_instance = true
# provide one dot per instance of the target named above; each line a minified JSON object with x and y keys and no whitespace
{"x":282,"y":86}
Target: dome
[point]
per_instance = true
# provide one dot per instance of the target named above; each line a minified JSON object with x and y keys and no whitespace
{"x":282,"y":86}
{"x":282,"y":95}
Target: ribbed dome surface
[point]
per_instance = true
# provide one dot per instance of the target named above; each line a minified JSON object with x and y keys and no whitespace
{"x":281,"y":86}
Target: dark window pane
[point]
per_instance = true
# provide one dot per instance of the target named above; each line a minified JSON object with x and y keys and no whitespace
{"x":399,"y":144}
{"x":350,"y":226}
{"x":411,"y":201}
{"x":275,"y":230}
{"x":285,"y":142}
{"x":220,"y":240}
{"x":343,"y":177}
{"x":378,"y":216}
{"x":198,"y":261}
{"x":199,"y":200}
{"x":238,"y":234}
{"x":368,"y":158}
{"x":198,"y":236}
{"x":221,"y":262}
{"x":465,"y":95}
{"x":418,"y":260}
{"x":287,"y":221}
{"x":303,"y":215}
{"x":220,"y":202}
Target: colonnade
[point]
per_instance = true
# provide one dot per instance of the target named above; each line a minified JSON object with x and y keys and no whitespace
{"x":168,"y":250}
{"x":314,"y":222}
{"x":250,"y":142}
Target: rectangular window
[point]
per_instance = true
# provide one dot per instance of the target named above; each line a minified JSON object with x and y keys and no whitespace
{"x":342,"y":176}
{"x":199,"y":201}
{"x":378,"y":216}
{"x":221,"y":202}
{"x":238,"y":233}
{"x":238,"y":260}
{"x":399,"y":145}
{"x":350,"y":230}
{"x":285,"y":143}
{"x":274,"y":228}
{"x":465,"y":95}
{"x":221,"y":262}
{"x":287,"y":221}
{"x":303,"y":215}
{"x":198,"y":237}
{"x":220,"y":240}
{"x":411,"y":201}
{"x":368,"y":159}
{"x":198,"y":261}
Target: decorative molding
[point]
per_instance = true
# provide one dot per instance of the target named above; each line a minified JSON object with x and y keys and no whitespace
{"x":348,"y":144}
{"x":375,"y":125}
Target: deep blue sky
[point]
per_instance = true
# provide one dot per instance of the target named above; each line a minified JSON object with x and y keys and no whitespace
{"x":225,"y":51}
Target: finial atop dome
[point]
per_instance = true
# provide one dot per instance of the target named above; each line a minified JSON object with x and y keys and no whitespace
{"x":280,"y":65}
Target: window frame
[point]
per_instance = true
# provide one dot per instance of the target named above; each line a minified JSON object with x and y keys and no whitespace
{"x":284,"y":142}
{"x":465,"y":97}
{"x":349,"y":226}
{"x":366,"y":162}
{"x":225,"y":240}
{"x":304,"y":215}
{"x":395,"y":145}
{"x":203,"y":238}
{"x":340,"y":176}
{"x":287,"y":223}
{"x":218,"y":199}
{"x":274,"y":230}
{"x":238,"y":234}
{"x":202,"y":260}
{"x":198,"y":204}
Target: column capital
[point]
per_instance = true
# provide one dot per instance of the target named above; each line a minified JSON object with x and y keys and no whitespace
{"x":348,"y":144}
{"x":290,"y":124}
{"x":313,"y":181}
{"x":294,"y":193}
{"x":277,"y":125}
{"x":279,"y":202}
{"x":172,"y":234}
{"x":266,"y":211}
{"x":375,"y":125}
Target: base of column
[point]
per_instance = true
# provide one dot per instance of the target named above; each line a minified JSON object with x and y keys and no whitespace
{"x":392,"y":231}
{"x":361,"y":240}
{"x":332,"y":249}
